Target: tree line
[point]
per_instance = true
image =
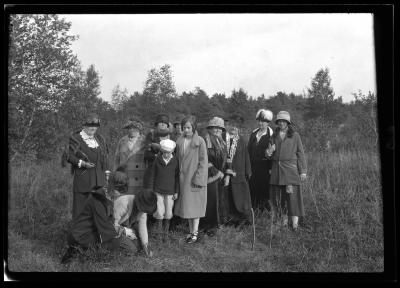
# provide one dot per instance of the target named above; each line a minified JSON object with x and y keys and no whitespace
{"x":49,"y":94}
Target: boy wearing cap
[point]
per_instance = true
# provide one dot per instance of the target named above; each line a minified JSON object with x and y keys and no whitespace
{"x":164,"y":181}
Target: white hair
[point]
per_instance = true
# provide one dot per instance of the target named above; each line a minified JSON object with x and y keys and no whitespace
{"x":264,"y":114}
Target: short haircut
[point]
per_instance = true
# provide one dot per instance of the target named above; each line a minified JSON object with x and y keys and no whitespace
{"x":192,"y":120}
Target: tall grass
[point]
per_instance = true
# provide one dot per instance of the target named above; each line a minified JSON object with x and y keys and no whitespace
{"x":342,"y":229}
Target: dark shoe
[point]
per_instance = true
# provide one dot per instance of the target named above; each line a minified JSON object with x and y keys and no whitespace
{"x":193,"y":238}
{"x":210,"y":233}
{"x":71,"y":252}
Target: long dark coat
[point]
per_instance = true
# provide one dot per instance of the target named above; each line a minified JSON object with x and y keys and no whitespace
{"x":239,"y":188}
{"x":261,"y":167}
{"x":86,"y":179}
{"x":217,"y":207}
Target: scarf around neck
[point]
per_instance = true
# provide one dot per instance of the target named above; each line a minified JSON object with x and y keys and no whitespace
{"x":231,"y":148}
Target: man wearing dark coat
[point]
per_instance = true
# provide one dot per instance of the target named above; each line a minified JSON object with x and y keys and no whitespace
{"x":88,"y":155}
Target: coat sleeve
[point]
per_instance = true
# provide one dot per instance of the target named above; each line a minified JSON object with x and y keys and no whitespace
{"x":301,"y":159}
{"x":248,"y":144}
{"x":107,"y":163}
{"x":117,"y":155}
{"x":247,"y":160}
{"x":149,"y":153}
{"x":104,"y":226}
{"x":72,"y":148}
{"x":201,"y":174}
{"x":177,"y":172}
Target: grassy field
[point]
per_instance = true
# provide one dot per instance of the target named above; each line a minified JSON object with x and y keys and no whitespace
{"x":341,"y":232}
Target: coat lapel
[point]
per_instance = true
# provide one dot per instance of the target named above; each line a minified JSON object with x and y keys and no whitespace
{"x":195,"y":142}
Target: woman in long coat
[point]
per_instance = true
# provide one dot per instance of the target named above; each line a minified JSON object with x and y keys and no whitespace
{"x":130,"y":154}
{"x":238,"y":171}
{"x":260,"y":165}
{"x":192,"y":157}
{"x":217,"y":211}
{"x":289,"y":168}
{"x":88,"y":155}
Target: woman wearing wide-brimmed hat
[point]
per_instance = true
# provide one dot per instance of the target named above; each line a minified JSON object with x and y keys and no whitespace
{"x":130,"y":153}
{"x":260,"y":165}
{"x":88,"y":155}
{"x":289,"y":168}
{"x":216,"y":211}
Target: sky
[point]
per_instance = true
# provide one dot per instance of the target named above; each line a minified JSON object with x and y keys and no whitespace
{"x":261,"y":53}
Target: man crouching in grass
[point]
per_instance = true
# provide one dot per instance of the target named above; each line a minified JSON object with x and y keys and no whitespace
{"x":95,"y":225}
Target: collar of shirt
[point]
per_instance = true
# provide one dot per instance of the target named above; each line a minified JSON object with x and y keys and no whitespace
{"x":167,"y":160}
{"x":89,"y":140}
{"x":85,"y":136}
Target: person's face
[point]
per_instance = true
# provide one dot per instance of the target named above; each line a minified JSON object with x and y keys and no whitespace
{"x":233,"y":130}
{"x":178,"y":128}
{"x":282,"y":124}
{"x":188,"y":129}
{"x":162,"y":126}
{"x":90,"y":130}
{"x":263,"y":124}
{"x":166,"y":154}
{"x":133,"y":132}
{"x":216,"y":131}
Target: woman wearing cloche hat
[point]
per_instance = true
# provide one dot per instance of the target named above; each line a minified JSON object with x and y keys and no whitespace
{"x":260,"y":165}
{"x":130,"y":153}
{"x":289,"y":168}
{"x":216,"y":150}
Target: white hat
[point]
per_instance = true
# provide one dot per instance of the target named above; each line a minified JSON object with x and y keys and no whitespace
{"x":264,"y":114}
{"x":167,"y":145}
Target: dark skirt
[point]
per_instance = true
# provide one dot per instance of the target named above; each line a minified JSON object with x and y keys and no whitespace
{"x":78,"y":201}
{"x":234,"y":213}
{"x":259,"y":185}
{"x":214,"y":210}
{"x":290,"y":204}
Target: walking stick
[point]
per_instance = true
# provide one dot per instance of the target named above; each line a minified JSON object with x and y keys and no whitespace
{"x":254,"y":230}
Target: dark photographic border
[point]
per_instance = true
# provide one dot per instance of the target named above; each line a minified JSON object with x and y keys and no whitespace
{"x":384,"y":56}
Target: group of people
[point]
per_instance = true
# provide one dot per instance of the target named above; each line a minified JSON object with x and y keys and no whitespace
{"x":176,"y":172}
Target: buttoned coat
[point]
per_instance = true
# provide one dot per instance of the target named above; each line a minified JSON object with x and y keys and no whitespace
{"x":193,"y":168}
{"x":288,"y":160}
{"x":86,"y":179}
{"x":122,"y":153}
